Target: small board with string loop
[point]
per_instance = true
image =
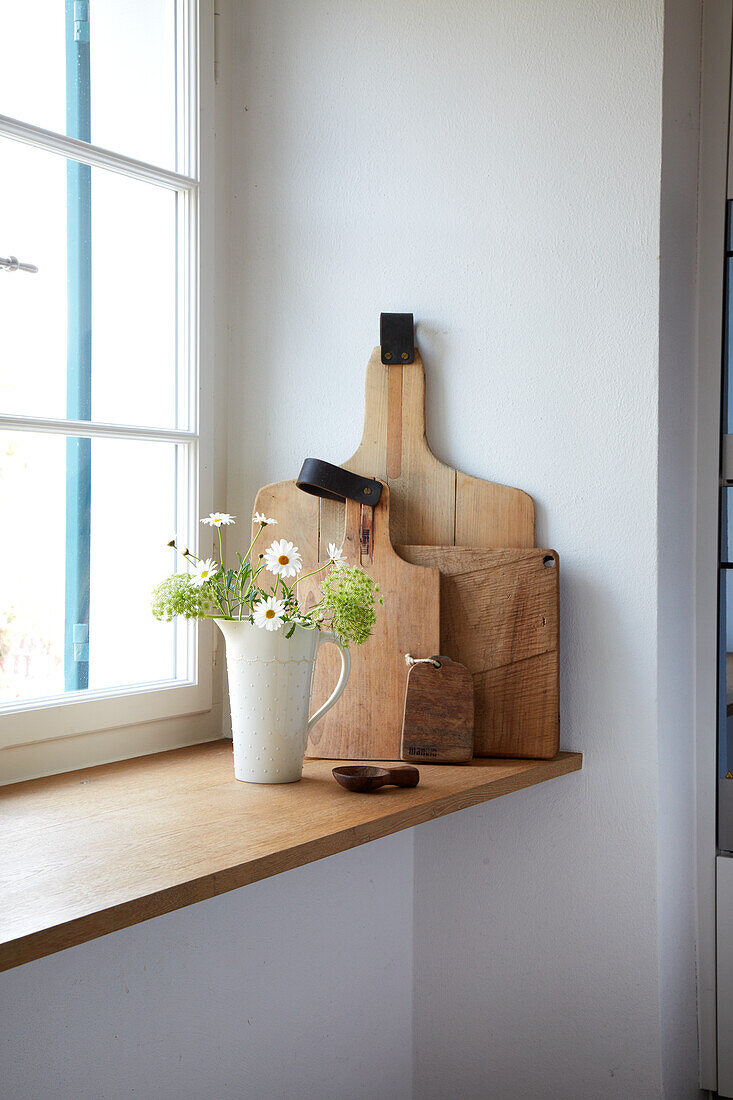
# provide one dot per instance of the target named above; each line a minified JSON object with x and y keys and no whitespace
{"x":437,"y":726}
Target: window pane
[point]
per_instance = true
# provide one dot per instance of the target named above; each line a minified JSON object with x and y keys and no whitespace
{"x":103,"y":314}
{"x":133,"y":495}
{"x":31,"y":566}
{"x":131,"y":81}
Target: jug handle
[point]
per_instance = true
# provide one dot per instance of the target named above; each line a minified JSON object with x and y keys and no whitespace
{"x":329,"y":636}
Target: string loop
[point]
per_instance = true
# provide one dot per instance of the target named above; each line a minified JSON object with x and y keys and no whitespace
{"x":410,"y":661}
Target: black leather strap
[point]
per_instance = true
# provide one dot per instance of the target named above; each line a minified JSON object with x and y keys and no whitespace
{"x":397,"y":338}
{"x":321,"y":479}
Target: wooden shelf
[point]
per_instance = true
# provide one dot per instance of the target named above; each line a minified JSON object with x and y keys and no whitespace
{"x":92,"y":851}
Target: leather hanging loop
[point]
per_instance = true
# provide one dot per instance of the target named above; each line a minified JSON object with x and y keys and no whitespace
{"x":397,"y":338}
{"x":321,"y":479}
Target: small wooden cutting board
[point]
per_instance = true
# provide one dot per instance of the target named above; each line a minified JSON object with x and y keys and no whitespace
{"x":499,"y":616}
{"x":438,"y":722}
{"x":366,"y":722}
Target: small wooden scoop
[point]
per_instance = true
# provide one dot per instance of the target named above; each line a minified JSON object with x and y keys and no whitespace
{"x":364,"y":777}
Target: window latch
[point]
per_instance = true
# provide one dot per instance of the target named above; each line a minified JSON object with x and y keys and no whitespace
{"x":81,"y":21}
{"x":80,"y":639}
{"x":12,"y":264}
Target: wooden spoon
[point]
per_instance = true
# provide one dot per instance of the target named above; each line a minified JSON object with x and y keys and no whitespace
{"x":364,"y":777}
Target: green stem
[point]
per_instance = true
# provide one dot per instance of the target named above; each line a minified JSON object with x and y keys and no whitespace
{"x":313,"y":573}
{"x":254,"y":540}
{"x":221,"y":559}
{"x":256,"y":572}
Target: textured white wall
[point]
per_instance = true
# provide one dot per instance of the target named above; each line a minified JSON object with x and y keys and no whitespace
{"x":495,"y":168}
{"x":298,"y":986}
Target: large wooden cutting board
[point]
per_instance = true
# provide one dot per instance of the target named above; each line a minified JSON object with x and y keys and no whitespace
{"x":431,"y":503}
{"x":366,"y":722}
{"x":499,"y":617}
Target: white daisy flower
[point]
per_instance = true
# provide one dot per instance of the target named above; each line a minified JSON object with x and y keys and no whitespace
{"x":283,"y":559}
{"x":336,"y":554}
{"x":216,"y":519}
{"x":269,"y":613}
{"x":260,"y":517}
{"x":204,"y":571}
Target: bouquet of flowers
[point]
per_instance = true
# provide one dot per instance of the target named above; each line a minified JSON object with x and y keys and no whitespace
{"x":210,"y":591}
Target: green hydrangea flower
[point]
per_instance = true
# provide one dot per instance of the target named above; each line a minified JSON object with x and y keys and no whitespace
{"x":347,"y":599}
{"x":178,"y":595}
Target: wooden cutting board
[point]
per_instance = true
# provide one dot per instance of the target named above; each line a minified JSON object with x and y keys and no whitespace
{"x":499,"y":616}
{"x":431,"y":503}
{"x":438,"y":722}
{"x":366,"y":722}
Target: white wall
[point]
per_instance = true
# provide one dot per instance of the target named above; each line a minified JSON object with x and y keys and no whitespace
{"x":495,"y":168}
{"x":286,"y":988}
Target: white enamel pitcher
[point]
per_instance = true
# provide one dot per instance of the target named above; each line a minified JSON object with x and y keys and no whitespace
{"x":270,"y":679}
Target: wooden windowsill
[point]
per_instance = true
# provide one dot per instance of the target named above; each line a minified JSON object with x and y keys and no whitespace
{"x":92,"y":851}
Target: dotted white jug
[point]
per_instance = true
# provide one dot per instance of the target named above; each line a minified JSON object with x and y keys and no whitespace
{"x":270,"y":680}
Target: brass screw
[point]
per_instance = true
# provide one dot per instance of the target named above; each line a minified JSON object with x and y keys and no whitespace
{"x":367,"y":491}
{"x":405,"y":355}
{"x":388,"y":355}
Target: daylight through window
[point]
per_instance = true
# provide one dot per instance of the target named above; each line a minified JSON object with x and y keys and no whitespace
{"x":98,"y":380}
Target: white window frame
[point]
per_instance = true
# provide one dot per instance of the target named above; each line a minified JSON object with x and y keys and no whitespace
{"x":41,"y":737}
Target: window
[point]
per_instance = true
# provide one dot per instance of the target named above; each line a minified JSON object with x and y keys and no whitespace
{"x":99,"y":389}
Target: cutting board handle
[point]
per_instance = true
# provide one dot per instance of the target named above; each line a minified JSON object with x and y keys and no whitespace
{"x":367,"y":531}
{"x":394,"y":417}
